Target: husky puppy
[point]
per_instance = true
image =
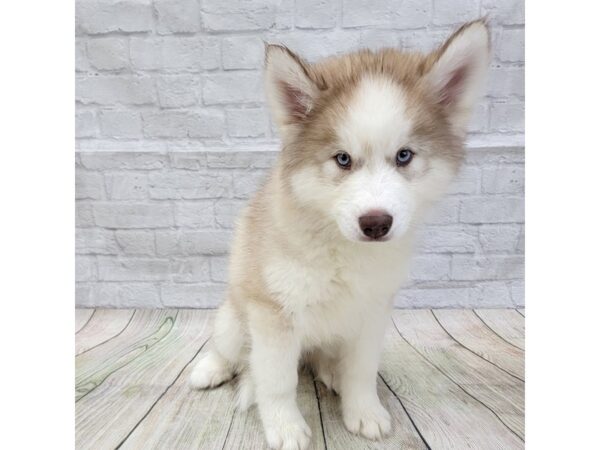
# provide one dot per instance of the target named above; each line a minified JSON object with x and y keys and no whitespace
{"x":369,"y":141}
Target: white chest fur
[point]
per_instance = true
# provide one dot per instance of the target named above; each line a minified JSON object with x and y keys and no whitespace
{"x":331,"y":290}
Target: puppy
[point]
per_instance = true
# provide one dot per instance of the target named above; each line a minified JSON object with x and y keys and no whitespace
{"x":369,"y":141}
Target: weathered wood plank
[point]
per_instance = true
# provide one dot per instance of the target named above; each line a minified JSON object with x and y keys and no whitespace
{"x":184,"y":418}
{"x":506,"y":323}
{"x":497,"y":390}
{"x":133,"y":387}
{"x":403,"y":433}
{"x":81,"y":318}
{"x":104,"y":325}
{"x":106,"y":414}
{"x":146,"y":329}
{"x":445,"y":415}
{"x":467,"y":329}
{"x":246,"y":429}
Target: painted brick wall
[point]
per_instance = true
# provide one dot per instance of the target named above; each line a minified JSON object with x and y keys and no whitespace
{"x":167,"y":74}
{"x":172,"y":137}
{"x":153,"y":229}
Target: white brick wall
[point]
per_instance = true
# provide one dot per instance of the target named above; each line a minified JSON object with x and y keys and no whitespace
{"x":169,"y":103}
{"x":153,"y":229}
{"x":154,"y":73}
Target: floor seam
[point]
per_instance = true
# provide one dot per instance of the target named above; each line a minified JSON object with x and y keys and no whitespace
{"x":161,"y":395}
{"x":110,"y":338}
{"x":475,"y":353}
{"x":320,"y":412}
{"x":455,"y":383}
{"x":119,"y":368}
{"x":495,"y":332}
{"x":406,"y":412}
{"x":87,"y":321}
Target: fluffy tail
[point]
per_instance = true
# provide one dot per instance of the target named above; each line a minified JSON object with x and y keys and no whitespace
{"x":211,"y":371}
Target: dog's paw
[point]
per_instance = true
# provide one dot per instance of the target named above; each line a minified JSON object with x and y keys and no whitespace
{"x":369,"y":420}
{"x":288,"y":435}
{"x":212,"y":370}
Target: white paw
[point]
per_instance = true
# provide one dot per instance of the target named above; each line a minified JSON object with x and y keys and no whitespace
{"x":288,"y":434}
{"x":369,"y":420}
{"x":210,"y":371}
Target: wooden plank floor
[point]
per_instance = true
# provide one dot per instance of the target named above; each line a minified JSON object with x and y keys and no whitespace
{"x":451,"y":379}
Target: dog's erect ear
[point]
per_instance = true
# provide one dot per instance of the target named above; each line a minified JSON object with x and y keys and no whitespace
{"x":459,"y":70}
{"x":290,"y":90}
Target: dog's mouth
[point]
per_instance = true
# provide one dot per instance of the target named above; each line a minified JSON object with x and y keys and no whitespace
{"x":379,"y":239}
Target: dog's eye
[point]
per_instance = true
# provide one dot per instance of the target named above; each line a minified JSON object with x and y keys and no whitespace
{"x":404,"y":156}
{"x":343,"y":160}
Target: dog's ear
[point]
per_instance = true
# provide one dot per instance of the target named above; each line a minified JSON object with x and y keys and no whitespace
{"x":458,"y":71}
{"x":291,"y":92}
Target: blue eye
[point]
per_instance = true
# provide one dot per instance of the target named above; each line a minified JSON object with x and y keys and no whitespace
{"x":343,"y":160}
{"x":404,"y":156}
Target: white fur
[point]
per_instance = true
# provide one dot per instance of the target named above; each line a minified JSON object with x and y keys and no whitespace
{"x":340,"y":306}
{"x":375,"y":127}
{"x":375,"y":119}
{"x":210,"y":371}
{"x":339,"y":297}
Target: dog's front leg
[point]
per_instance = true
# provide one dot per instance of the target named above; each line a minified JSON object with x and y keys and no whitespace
{"x":361,"y":409}
{"x":274,"y":361}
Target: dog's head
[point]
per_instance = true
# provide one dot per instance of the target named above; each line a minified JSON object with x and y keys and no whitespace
{"x":370,"y":139}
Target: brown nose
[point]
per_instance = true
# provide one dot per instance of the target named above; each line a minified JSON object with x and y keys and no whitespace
{"x":375,"y":225}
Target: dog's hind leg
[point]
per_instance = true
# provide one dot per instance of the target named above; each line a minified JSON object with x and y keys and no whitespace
{"x":246,"y":396}
{"x":323,"y":366}
{"x":220,"y":363}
